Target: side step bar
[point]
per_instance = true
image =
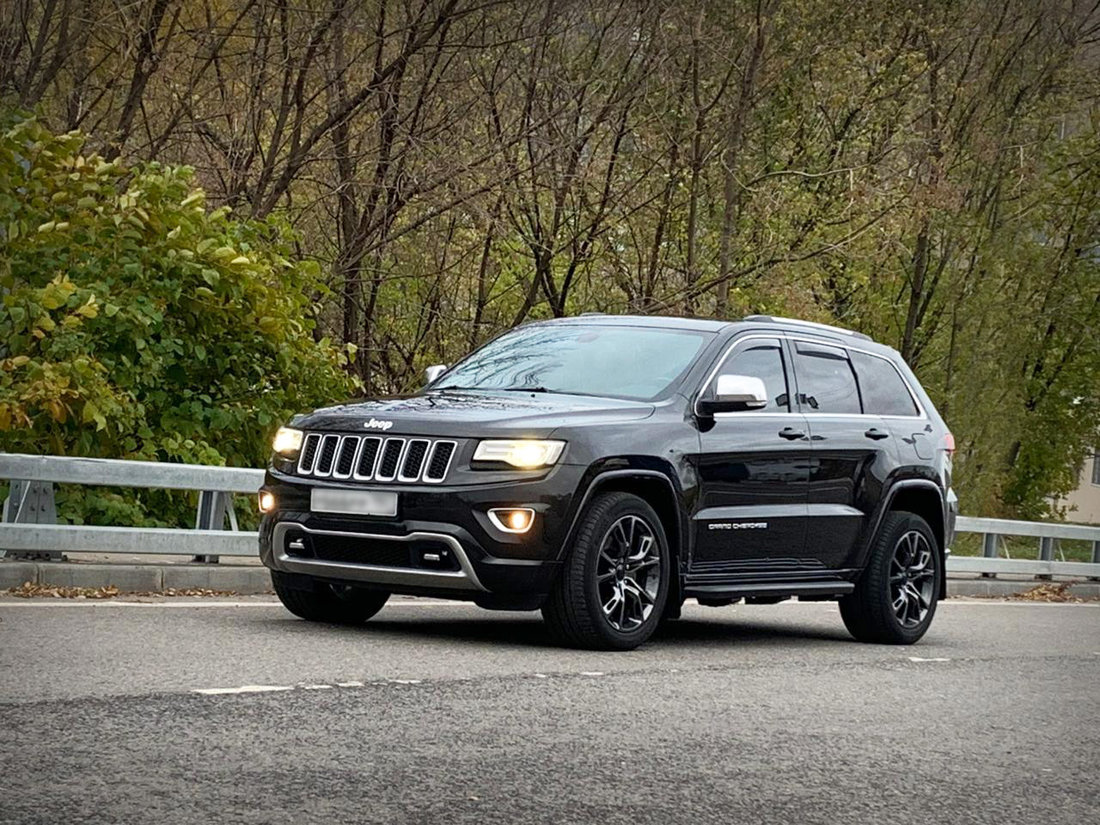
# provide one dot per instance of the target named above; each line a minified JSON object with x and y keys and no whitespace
{"x":738,"y":591}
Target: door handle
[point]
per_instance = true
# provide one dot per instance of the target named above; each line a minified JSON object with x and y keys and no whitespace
{"x":791,"y":434}
{"x":876,"y":434}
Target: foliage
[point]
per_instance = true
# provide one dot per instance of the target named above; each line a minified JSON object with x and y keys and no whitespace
{"x":924,"y":172}
{"x":137,"y":323}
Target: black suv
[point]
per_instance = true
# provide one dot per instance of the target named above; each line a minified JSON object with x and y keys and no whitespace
{"x":604,"y":469}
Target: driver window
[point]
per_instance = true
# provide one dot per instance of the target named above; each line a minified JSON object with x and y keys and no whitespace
{"x":761,"y":359}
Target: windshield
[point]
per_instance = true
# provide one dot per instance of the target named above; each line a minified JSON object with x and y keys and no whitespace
{"x":618,"y":362}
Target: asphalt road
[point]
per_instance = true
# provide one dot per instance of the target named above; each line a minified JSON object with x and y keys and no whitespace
{"x":444,"y":713}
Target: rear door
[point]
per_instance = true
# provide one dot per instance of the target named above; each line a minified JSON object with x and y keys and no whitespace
{"x":753,"y":471}
{"x":852,"y":452}
{"x":886,"y":394}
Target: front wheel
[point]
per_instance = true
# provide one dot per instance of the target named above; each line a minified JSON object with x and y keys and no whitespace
{"x":614,"y":585}
{"x":330,"y":603}
{"x":896,"y":596}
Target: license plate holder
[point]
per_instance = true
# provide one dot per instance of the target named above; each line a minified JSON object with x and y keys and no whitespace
{"x":353,"y":502}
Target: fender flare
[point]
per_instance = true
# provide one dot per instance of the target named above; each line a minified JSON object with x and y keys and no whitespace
{"x":887,"y":502}
{"x":602,"y":479}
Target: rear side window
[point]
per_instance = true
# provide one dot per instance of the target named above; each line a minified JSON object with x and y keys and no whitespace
{"x":884,"y":392}
{"x":826,"y":383}
{"x":763,"y":360}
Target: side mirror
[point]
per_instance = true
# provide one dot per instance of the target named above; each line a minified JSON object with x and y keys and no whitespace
{"x":735,"y":393}
{"x":434,"y":371}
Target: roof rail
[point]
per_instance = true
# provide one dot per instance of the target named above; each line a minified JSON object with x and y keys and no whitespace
{"x":771,"y":319}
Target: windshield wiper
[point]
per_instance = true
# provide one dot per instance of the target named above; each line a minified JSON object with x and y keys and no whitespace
{"x":492,"y":389}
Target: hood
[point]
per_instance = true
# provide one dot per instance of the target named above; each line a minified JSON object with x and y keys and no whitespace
{"x":464,"y":413}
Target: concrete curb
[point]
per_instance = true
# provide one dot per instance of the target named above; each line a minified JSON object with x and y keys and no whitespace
{"x":138,"y":577}
{"x":255,"y":579}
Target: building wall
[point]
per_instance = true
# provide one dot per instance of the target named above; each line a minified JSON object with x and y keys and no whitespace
{"x":1083,"y":504}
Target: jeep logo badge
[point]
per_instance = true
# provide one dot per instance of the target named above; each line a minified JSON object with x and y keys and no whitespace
{"x":375,"y":424}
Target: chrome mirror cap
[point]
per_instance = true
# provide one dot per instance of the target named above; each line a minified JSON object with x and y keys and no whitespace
{"x":746,"y":391}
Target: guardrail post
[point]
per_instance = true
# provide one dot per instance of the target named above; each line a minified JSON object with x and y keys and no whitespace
{"x":30,"y":502}
{"x":213,"y":507}
{"x":1047,"y":545}
{"x":989,"y":550}
{"x":1095,"y":559}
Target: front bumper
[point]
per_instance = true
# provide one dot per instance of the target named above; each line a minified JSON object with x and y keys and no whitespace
{"x":441,"y":541}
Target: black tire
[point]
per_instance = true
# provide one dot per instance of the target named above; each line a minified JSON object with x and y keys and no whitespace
{"x":329,"y":603}
{"x":894,"y":602}
{"x":575,"y":610}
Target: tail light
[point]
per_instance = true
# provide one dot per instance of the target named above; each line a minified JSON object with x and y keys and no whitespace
{"x":949,"y":443}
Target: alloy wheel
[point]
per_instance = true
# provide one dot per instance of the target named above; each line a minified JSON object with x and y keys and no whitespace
{"x":912,"y":578}
{"x":628,"y":573}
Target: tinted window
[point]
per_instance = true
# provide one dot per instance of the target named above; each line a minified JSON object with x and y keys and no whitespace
{"x":883,"y":391}
{"x":826,"y":383}
{"x":611,"y":361}
{"x":763,"y":360}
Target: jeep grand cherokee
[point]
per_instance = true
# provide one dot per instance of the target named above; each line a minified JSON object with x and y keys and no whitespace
{"x":604,"y":469}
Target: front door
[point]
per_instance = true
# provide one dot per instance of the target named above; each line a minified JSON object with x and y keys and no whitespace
{"x":753,"y":473}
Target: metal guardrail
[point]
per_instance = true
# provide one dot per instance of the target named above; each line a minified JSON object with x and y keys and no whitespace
{"x":29,"y":519}
{"x":1045,"y":566}
{"x":28,"y":527}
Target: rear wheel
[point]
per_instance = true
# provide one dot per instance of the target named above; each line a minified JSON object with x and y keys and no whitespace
{"x":327,"y":602}
{"x":896,"y":597}
{"x":614,"y":585}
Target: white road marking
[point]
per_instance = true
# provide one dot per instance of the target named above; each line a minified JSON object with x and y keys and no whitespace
{"x":316,"y":687}
{"x":405,"y":681}
{"x":592,"y":673}
{"x":933,"y":659}
{"x":544,"y":676}
{"x":243,"y":689}
{"x":349,"y":684}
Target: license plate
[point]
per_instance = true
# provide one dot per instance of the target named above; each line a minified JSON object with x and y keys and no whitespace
{"x":353,"y":502}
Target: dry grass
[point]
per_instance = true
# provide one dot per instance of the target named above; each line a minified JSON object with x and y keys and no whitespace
{"x":29,"y":590}
{"x":1050,"y":592}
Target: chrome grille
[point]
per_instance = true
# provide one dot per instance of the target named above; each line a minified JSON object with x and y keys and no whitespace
{"x":373,"y":458}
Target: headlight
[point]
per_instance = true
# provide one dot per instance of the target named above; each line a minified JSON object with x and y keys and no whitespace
{"x":288,"y":441}
{"x":527,"y":454}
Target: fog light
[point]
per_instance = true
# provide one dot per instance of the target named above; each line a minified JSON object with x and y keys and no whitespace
{"x":512,"y":519}
{"x":267,"y":502}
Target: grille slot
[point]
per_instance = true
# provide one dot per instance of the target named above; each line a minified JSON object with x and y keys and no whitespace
{"x":391,"y":458}
{"x":309,"y":454}
{"x":368,"y":456}
{"x":345,"y":457}
{"x":440,"y":460}
{"x":373,"y":458}
{"x":414,"y":459}
{"x":326,"y":455}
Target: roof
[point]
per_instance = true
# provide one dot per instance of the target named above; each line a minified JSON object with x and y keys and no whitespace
{"x":652,"y":321}
{"x":704,"y":324}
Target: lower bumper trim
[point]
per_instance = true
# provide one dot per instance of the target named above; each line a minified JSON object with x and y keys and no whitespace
{"x":465,"y":578}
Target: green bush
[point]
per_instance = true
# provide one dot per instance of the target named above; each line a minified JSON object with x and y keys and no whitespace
{"x":136,"y":323}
